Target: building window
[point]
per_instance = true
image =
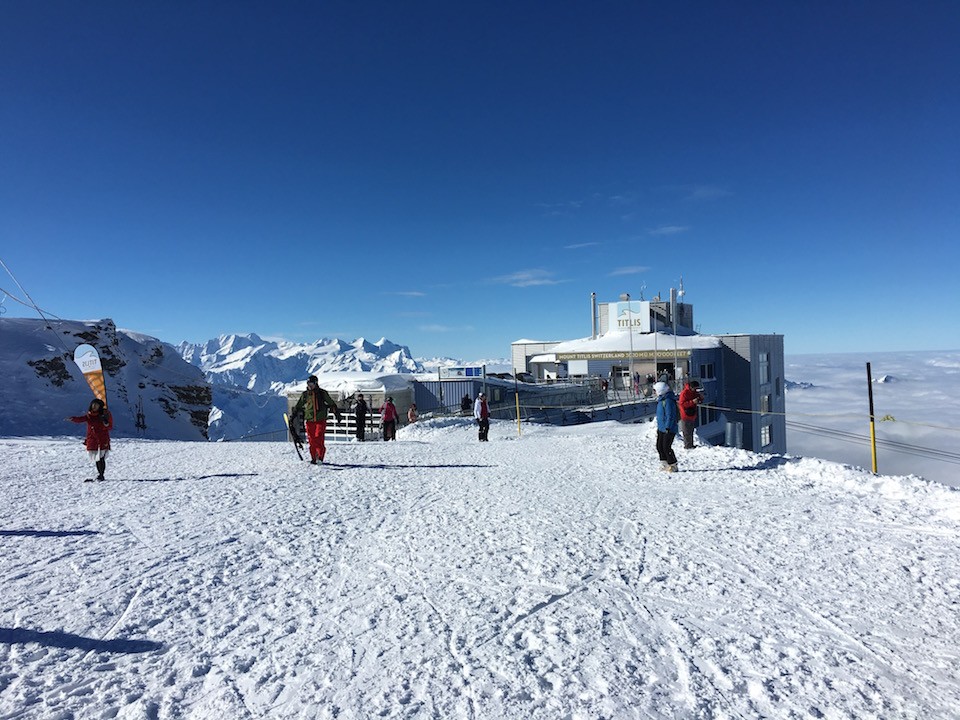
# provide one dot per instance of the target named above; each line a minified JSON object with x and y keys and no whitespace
{"x":706,"y":372}
{"x":764,"y":367}
{"x":766,"y":436}
{"x":765,"y":403}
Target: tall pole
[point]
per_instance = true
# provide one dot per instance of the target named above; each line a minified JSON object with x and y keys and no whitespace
{"x":656,"y":370}
{"x":673,"y":316}
{"x":626,"y":296}
{"x":593,"y":316}
{"x":873,"y":434}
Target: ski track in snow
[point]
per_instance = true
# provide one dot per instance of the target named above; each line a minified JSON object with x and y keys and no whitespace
{"x":555,"y":575}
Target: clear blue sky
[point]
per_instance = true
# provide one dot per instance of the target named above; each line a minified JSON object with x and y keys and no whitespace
{"x":458,"y":175}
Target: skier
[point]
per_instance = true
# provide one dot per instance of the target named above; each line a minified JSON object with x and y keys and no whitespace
{"x":99,"y":422}
{"x":312,"y":407}
{"x":667,"y":413}
{"x":360,"y":412}
{"x":482,"y":413}
{"x":388,"y":419}
{"x":690,"y":397}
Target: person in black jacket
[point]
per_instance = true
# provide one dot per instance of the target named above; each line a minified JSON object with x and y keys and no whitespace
{"x":360,"y":412}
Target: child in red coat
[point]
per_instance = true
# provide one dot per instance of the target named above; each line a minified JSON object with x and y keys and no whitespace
{"x":99,"y":424}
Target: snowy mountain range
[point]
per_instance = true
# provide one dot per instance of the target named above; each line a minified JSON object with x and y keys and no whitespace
{"x":229,"y":388}
{"x":264,"y":366}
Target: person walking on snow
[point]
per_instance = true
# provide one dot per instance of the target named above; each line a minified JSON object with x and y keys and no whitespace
{"x":99,"y":422}
{"x":482,"y":413}
{"x":412,"y":413}
{"x":312,"y":407}
{"x":360,"y":412}
{"x":388,"y":419}
{"x":690,"y":397}
{"x":667,"y":415}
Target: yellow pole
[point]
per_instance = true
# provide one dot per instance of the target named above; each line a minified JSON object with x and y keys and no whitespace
{"x":516,"y":395}
{"x":873,"y":432}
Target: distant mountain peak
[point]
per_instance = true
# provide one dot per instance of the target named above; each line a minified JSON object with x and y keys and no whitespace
{"x":249,"y":362}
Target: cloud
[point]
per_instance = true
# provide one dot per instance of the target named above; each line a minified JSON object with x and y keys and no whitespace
{"x":669,"y":230}
{"x":577,"y":246}
{"x":446,"y":328}
{"x":526,"y":278}
{"x":561,"y":208}
{"x":629,"y":270}
{"x":407,"y":293}
{"x":706,"y":192}
{"x":623,"y":199}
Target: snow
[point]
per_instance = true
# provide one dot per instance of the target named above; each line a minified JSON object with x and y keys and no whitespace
{"x":617,"y":340}
{"x":555,"y":574}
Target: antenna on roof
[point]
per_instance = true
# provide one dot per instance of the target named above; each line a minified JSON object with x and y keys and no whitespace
{"x":681,"y":293}
{"x":643,"y":286}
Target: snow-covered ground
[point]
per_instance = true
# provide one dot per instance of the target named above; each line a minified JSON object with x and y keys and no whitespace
{"x":558,"y":574}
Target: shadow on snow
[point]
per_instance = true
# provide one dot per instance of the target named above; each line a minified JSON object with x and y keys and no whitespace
{"x":47,"y":533}
{"x":75,"y":642}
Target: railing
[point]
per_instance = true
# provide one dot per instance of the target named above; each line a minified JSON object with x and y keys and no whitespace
{"x":346,"y":429}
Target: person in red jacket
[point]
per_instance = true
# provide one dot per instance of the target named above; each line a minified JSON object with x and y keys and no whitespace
{"x":388,"y":419}
{"x":690,"y":397}
{"x":99,"y":424}
{"x":481,"y":412}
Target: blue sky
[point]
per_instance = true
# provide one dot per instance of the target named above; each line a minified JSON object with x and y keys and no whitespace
{"x":458,"y":175}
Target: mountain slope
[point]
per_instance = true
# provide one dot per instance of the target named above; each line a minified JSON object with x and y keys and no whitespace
{"x":40,"y":384}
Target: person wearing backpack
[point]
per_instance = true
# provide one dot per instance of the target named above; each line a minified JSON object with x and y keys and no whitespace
{"x":667,"y":418}
{"x":690,"y":397}
{"x":312,"y":408}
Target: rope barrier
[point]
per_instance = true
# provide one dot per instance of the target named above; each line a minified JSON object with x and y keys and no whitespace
{"x":885,"y":418}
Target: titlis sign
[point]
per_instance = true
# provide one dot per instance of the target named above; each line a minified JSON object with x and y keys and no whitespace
{"x":633,"y":315}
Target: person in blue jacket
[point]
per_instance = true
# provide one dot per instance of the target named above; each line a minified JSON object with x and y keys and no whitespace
{"x":667,"y":418}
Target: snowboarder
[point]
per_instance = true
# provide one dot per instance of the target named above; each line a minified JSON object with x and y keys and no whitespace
{"x":360,"y":412}
{"x":312,"y":407}
{"x":667,"y":413}
{"x":99,"y":422}
{"x":690,"y":397}
{"x":388,"y":419}
{"x":482,"y":413}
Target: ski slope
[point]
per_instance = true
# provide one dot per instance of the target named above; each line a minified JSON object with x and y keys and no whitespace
{"x":559,"y":574}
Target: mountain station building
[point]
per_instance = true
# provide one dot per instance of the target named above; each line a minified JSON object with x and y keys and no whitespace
{"x":634,"y":342}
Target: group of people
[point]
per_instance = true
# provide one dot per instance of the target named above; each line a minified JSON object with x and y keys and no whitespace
{"x":673,"y":415}
{"x":315,"y":402}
